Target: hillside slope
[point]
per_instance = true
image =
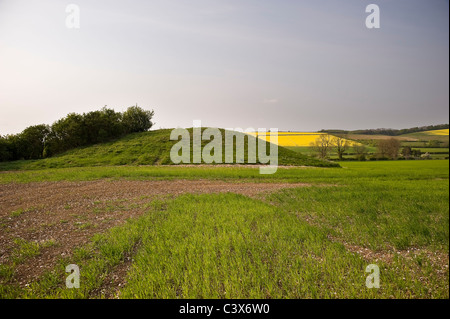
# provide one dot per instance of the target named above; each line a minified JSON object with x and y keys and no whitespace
{"x":148,"y":148}
{"x":436,"y":135}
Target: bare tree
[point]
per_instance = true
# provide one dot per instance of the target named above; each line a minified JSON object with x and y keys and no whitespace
{"x":341,"y":144}
{"x":322,"y":145}
{"x":406,"y":152}
{"x":389,"y":148}
{"x":360,"y":151}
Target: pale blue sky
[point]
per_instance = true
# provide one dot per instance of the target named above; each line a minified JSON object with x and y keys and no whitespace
{"x":291,"y":65}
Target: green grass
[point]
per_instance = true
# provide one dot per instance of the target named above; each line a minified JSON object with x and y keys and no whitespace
{"x":17,"y":212}
{"x":350,"y":171}
{"x":24,"y":249}
{"x":290,"y":244}
{"x":6,"y":274}
{"x":306,"y":150}
{"x":378,"y":215}
{"x":434,"y":150}
{"x":247,"y":250}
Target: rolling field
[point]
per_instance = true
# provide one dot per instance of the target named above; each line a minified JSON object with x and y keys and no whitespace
{"x":435,"y":135}
{"x":226,"y":232}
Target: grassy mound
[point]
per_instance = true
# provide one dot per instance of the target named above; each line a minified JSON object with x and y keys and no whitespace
{"x":148,"y":148}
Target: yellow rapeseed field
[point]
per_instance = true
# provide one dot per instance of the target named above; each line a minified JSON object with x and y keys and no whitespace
{"x":438,"y":132}
{"x":294,"y":138}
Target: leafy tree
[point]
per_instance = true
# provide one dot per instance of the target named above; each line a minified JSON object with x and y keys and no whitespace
{"x":102,"y":125}
{"x":73,"y":131}
{"x":135,"y":119}
{"x":68,"y":132}
{"x":31,"y":142}
{"x":5,"y":153}
{"x":12,"y":146}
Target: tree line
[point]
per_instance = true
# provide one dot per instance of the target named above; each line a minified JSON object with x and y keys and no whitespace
{"x":390,"y":148}
{"x":326,"y":142}
{"x":74,"y":130}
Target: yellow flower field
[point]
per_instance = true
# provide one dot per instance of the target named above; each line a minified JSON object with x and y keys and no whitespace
{"x":438,"y":132}
{"x":294,"y":138}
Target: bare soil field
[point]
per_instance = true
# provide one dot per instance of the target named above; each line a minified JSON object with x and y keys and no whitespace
{"x":68,"y":214}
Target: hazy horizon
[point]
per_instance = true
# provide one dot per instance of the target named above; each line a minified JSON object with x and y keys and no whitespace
{"x":291,"y":65}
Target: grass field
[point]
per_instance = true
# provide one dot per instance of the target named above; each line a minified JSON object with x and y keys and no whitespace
{"x":301,"y":242}
{"x":349,"y":154}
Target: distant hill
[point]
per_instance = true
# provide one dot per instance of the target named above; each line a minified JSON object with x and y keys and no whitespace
{"x":388,"y":131}
{"x":440,"y":135}
{"x":146,"y":148}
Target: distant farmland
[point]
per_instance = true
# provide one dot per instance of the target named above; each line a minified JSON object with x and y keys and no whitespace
{"x":438,"y":132}
{"x":434,"y":142}
{"x":298,"y":139}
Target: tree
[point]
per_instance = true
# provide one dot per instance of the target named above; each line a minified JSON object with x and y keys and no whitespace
{"x":11,"y":143}
{"x":135,"y":119}
{"x":5,"y":153}
{"x":322,"y":145}
{"x":416,"y":153}
{"x":341,"y":144}
{"x":406,"y":152}
{"x":31,"y":141}
{"x":388,"y":148}
{"x":360,"y":151}
{"x":73,"y":131}
{"x":102,"y":125}
{"x":68,"y":132}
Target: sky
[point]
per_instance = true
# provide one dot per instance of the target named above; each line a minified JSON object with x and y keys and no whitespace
{"x":300,"y":65}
